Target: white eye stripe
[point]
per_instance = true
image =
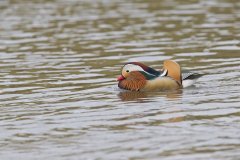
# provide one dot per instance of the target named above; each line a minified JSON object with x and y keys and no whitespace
{"x":131,"y":67}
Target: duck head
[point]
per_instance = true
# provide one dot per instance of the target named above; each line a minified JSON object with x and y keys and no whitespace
{"x":135,"y":75}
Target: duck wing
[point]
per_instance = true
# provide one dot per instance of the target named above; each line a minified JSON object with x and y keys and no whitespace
{"x":173,"y":70}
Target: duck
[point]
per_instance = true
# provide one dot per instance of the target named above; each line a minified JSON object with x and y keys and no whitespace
{"x":136,"y":76}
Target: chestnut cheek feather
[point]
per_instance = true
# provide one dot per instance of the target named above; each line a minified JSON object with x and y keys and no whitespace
{"x":134,"y":82}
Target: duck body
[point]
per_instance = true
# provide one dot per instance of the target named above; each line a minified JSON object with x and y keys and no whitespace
{"x":139,"y":77}
{"x":161,"y":83}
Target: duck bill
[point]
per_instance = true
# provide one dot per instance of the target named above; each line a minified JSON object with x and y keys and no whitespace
{"x":120,"y":78}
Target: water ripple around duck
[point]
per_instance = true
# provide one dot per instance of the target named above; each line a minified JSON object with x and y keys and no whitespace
{"x":59,"y":98}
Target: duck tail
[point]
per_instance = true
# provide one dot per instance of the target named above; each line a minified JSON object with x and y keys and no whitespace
{"x":186,"y":76}
{"x":189,"y":79}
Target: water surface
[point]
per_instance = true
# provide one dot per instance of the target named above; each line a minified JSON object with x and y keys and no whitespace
{"x":58,"y":65}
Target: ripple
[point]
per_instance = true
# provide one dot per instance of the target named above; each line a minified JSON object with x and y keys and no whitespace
{"x":60,"y":100}
{"x":231,"y":48}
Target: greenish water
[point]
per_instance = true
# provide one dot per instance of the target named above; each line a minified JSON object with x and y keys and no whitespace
{"x":58,"y":65}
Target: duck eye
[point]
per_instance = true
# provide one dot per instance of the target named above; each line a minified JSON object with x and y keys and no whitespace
{"x":127,"y":70}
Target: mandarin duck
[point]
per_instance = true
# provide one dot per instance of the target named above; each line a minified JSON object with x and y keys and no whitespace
{"x":136,"y":76}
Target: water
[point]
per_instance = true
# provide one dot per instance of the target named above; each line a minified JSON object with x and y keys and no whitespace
{"x":58,"y":65}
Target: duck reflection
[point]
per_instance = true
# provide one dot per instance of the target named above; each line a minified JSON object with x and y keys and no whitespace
{"x":145,"y":96}
{"x":132,"y":96}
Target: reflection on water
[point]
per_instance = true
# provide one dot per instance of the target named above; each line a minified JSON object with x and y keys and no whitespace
{"x":132,"y":96}
{"x":148,"y":96}
{"x":58,"y":94}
